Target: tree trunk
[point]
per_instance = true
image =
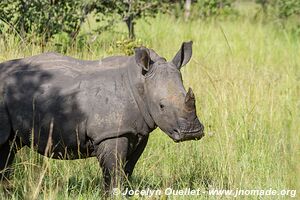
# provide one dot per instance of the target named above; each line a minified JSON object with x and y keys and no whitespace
{"x":187,"y":9}
{"x":23,"y":30}
{"x":130,"y":25}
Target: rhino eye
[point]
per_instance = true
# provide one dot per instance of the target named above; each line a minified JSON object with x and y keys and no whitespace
{"x":162,"y":107}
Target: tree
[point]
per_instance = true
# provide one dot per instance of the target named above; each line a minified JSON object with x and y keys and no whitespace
{"x":131,"y":10}
{"x":187,"y":9}
{"x":209,"y":8}
{"x":264,"y":4}
{"x":44,"y":18}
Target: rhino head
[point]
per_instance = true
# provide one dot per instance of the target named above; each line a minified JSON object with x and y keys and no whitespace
{"x":170,"y":106}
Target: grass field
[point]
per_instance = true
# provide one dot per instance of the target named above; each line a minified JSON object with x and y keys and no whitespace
{"x":246,"y":78}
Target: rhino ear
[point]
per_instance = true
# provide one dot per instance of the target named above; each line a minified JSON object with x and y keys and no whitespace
{"x":142,"y":58}
{"x":184,"y":55}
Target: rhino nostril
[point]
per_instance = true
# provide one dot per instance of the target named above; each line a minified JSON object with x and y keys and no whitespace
{"x":202,"y":127}
{"x":176,"y":131}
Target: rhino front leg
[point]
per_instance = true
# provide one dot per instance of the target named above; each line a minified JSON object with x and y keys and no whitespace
{"x":135,"y":155}
{"x":112,"y":154}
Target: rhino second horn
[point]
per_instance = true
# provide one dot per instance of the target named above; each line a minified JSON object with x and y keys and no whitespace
{"x":190,"y":99}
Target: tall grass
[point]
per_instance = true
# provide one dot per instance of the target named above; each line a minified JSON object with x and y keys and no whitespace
{"x":246,"y":78}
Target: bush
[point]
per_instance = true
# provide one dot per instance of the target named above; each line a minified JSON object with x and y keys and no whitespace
{"x":281,"y":9}
{"x":125,"y":46}
{"x":286,"y":8}
{"x":211,"y":8}
{"x":130,"y":11}
{"x":286,"y":13}
{"x":44,"y":18}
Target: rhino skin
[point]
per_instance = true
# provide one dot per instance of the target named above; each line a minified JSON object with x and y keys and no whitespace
{"x":70,"y":109}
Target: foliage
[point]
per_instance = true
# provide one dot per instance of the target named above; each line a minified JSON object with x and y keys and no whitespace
{"x":264,"y":4}
{"x":131,"y":10}
{"x":286,"y":8}
{"x":126,"y":45}
{"x":210,"y":8}
{"x":67,"y":16}
{"x":282,"y":9}
{"x":286,"y":13}
{"x":44,"y":18}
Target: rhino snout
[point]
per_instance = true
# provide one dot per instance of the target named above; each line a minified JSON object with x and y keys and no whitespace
{"x":188,"y":131}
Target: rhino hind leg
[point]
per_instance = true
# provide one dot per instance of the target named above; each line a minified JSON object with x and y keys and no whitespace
{"x":7,"y":148}
{"x":7,"y":152}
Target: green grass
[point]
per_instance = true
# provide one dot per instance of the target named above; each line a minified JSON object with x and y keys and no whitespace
{"x":246,"y":78}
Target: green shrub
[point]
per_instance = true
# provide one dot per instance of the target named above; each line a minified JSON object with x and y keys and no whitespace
{"x":131,"y":11}
{"x":285,"y":13}
{"x":286,"y":8}
{"x":44,"y":18}
{"x":281,"y":9}
{"x":211,"y":8}
{"x":125,"y":46}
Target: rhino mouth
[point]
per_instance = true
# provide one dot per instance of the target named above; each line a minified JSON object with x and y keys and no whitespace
{"x":191,"y":131}
{"x":184,"y":135}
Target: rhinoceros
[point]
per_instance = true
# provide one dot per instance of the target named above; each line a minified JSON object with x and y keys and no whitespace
{"x":66,"y":108}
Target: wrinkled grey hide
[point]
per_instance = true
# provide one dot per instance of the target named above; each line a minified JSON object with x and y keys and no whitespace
{"x":72,"y":109}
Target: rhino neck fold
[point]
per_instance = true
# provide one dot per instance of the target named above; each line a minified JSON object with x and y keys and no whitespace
{"x":136,"y":85}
